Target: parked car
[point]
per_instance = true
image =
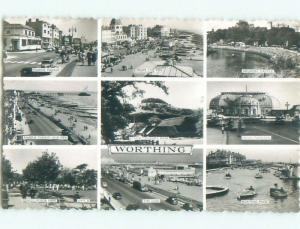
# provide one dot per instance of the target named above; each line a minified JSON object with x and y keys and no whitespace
{"x":104,"y":184}
{"x":132,"y":207}
{"x":47,"y":63}
{"x":172,"y":200}
{"x":188,"y":207}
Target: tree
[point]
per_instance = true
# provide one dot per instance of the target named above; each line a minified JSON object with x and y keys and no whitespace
{"x":84,"y":176}
{"x":66,"y":176}
{"x":43,"y":170}
{"x":116,"y":107}
{"x":7,"y":171}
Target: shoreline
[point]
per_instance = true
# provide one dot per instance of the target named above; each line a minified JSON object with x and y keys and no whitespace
{"x":271,"y":53}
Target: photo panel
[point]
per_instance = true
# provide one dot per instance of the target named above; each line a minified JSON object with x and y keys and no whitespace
{"x":253,"y":49}
{"x":244,"y":112}
{"x":252,"y":179}
{"x":49,"y":47}
{"x":151,"y":48}
{"x":38,"y":112}
{"x":152,"y":112}
{"x":49,"y":178}
{"x":157,"y":180}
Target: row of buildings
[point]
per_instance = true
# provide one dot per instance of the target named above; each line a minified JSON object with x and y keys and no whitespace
{"x":34,"y":35}
{"x":116,"y":32}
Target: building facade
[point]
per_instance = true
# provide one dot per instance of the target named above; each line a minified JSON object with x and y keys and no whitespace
{"x":48,"y":32}
{"x":165,"y":31}
{"x":179,"y":170}
{"x":18,"y":37}
{"x":113,"y":33}
{"x":138,"y":32}
{"x":249,"y":104}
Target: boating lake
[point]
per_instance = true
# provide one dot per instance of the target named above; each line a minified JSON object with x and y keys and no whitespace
{"x":228,"y":63}
{"x":243,"y":178}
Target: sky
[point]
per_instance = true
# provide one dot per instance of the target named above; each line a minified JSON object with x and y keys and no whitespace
{"x":84,"y":27}
{"x":224,"y":24}
{"x":269,"y":155}
{"x":69,"y":158}
{"x":196,"y":157}
{"x":192,"y":25}
{"x":55,"y":85}
{"x":182,"y":94}
{"x":282,"y":92}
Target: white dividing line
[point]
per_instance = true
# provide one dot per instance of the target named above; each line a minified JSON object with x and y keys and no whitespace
{"x":269,"y":132}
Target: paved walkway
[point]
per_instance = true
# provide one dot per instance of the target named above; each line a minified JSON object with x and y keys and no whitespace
{"x":84,"y":70}
{"x":215,"y":136}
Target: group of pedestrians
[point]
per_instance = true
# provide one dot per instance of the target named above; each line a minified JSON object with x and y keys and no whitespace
{"x":90,"y":56}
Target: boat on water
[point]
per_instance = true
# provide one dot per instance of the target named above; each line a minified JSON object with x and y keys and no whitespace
{"x":216,"y":190}
{"x":247,"y":193}
{"x":258,"y":176}
{"x":278,"y":193}
{"x":84,"y":94}
{"x":227,"y":175}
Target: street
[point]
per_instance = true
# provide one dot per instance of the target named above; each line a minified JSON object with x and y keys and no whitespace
{"x":16,"y":61}
{"x":133,"y":196}
{"x":286,"y":134}
{"x":42,"y":126}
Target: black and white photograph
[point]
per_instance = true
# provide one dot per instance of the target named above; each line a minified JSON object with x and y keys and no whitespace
{"x":252,"y":179}
{"x":152,"y":181}
{"x":50,"y":113}
{"x":59,"y":178}
{"x":53,"y":47}
{"x":151,"y":48}
{"x":253,"y":49}
{"x":253,"y":113}
{"x":152,"y":112}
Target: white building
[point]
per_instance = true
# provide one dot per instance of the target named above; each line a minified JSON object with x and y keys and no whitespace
{"x":107,"y":36}
{"x":177,"y":171}
{"x":114,"y":33}
{"x":138,"y":32}
{"x":18,"y":37}
{"x":48,"y":32}
{"x":165,"y":31}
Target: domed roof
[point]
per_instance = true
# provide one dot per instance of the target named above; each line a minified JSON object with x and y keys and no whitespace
{"x":115,"y":22}
{"x":222,"y":100}
{"x":264,"y":100}
{"x":246,"y":100}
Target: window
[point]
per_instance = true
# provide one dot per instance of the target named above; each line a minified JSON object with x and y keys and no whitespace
{"x":7,"y":31}
{"x":24,"y":42}
{"x":45,"y":31}
{"x":25,"y":32}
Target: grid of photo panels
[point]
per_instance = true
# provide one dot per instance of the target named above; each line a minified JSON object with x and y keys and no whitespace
{"x":150,"y":114}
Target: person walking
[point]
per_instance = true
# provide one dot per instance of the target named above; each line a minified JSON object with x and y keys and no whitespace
{"x":94,"y":57}
{"x":89,"y":57}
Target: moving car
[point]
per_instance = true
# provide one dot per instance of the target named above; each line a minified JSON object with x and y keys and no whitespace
{"x":117,"y":195}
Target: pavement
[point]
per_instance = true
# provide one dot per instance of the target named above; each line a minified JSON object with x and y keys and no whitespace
{"x":281,"y":134}
{"x":17,"y":202}
{"x":134,"y":60}
{"x":215,"y":136}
